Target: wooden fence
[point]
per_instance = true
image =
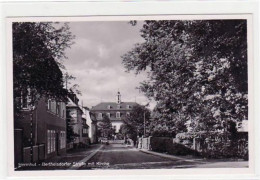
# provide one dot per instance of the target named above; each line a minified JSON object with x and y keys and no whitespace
{"x":33,"y":154}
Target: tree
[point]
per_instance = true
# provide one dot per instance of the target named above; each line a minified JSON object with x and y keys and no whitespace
{"x":134,"y":123}
{"x":38,"y":51}
{"x":197,"y":71}
{"x":69,"y":128}
{"x":67,"y":78}
{"x":105,"y":127}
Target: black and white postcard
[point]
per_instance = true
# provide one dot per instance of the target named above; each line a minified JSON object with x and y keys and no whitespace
{"x":154,"y":93}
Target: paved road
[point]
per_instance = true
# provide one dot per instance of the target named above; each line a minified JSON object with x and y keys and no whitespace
{"x":118,"y":156}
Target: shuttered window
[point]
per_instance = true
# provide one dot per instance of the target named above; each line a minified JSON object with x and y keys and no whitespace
{"x":118,"y":115}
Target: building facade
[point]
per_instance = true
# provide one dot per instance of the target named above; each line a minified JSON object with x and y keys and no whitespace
{"x":85,"y":132}
{"x":41,"y":132}
{"x":74,"y":117}
{"x":92,"y":124}
{"x":116,"y":111}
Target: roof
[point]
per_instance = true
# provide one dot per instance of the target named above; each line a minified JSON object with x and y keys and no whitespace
{"x":87,"y":108}
{"x":71,"y":103}
{"x":113,"y":106}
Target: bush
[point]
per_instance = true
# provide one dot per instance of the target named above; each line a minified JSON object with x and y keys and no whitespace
{"x":163,"y":133}
{"x":166,"y":145}
{"x":224,"y":149}
{"x":159,"y":144}
{"x":181,"y":150}
{"x":217,"y":144}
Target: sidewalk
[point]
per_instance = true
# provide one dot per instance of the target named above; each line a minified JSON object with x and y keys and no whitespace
{"x":72,"y":160}
{"x":172,"y":157}
{"x":83,"y":161}
{"x":202,"y":162}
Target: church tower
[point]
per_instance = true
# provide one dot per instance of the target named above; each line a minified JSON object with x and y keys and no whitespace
{"x":118,"y":98}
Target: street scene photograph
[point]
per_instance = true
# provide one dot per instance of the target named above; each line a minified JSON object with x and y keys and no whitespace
{"x":130,"y":94}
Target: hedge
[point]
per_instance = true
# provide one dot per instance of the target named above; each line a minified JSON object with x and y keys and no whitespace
{"x":166,"y":145}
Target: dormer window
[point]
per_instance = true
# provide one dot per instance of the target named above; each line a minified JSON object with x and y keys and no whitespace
{"x":118,"y":115}
{"x":128,"y":106}
{"x":108,"y":107}
{"x":118,"y":106}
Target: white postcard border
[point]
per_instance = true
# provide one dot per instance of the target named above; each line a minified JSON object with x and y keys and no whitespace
{"x":220,"y":172}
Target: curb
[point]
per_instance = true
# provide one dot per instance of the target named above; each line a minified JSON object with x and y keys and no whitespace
{"x":82,"y":162}
{"x":167,"y":156}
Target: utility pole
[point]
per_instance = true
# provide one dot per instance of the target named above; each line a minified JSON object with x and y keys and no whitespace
{"x":144,"y":124}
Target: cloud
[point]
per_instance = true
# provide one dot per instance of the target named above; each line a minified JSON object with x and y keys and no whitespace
{"x":95,"y":60}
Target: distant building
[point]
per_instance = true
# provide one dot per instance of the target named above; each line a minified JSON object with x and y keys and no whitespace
{"x":242,"y":126}
{"x":85,"y":131}
{"x":74,"y":117}
{"x":116,"y":111}
{"x":92,"y":124}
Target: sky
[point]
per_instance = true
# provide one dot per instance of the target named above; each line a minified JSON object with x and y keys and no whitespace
{"x":95,"y":60}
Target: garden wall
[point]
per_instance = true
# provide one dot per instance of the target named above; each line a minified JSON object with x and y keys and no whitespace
{"x":165,"y":145}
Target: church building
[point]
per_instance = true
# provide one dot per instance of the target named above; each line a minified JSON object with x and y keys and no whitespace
{"x":116,"y":111}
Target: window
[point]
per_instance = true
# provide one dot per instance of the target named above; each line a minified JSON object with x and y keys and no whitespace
{"x":99,"y":115}
{"x":54,"y":141}
{"x":108,"y":107}
{"x":118,"y":115}
{"x":85,"y":131}
{"x":52,"y":106}
{"x":49,"y":104}
{"x":128,"y":114}
{"x":108,"y":115}
{"x":63,"y":110}
{"x":128,"y":106}
{"x":62,"y":139}
{"x":48,"y":141}
{"x":118,"y":106}
{"x":63,"y":113}
{"x":61,"y":134}
{"x":51,"y":141}
{"x":58,"y":108}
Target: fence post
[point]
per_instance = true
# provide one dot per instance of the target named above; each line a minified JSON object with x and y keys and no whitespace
{"x":149,"y":143}
{"x":27,"y":156}
{"x":140,"y":143}
{"x":35,"y":153}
